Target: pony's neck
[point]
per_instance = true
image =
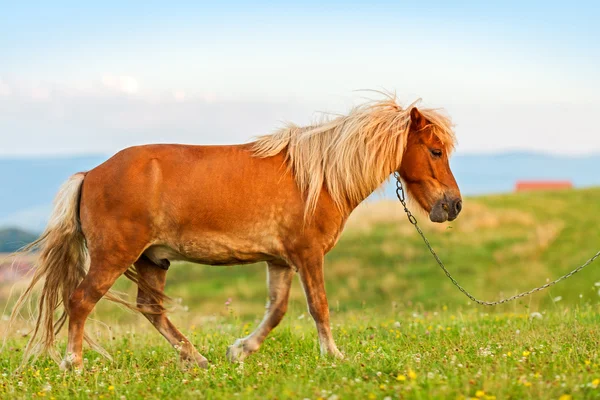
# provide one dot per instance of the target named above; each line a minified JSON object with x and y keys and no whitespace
{"x":349,"y":205}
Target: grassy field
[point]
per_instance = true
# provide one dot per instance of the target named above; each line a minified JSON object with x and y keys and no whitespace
{"x":405,"y":330}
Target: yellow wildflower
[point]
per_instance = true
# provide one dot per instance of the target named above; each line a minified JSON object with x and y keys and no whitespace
{"x":111,"y":388}
{"x":565,"y":397}
{"x":479,"y":394}
{"x":401,"y":378}
{"x":412,"y":374}
{"x":526,"y":353}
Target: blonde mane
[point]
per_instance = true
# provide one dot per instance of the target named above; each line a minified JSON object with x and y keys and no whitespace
{"x":350,"y":155}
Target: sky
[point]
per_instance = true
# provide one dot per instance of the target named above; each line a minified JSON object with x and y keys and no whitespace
{"x":82,"y":78}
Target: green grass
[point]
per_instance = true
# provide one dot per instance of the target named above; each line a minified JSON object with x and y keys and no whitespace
{"x":440,"y":354}
{"x":405,"y":330}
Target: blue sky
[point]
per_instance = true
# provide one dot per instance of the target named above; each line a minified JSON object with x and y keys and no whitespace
{"x":81,"y":78}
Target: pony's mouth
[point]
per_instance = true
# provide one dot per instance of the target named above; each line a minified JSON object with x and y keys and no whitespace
{"x":445,"y":210}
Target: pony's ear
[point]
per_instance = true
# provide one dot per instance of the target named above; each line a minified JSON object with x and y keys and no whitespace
{"x":417,"y":120}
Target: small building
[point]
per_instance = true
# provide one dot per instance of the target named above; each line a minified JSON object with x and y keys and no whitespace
{"x":524,"y":186}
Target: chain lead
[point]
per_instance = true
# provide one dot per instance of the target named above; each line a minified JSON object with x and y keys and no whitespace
{"x":411,"y":218}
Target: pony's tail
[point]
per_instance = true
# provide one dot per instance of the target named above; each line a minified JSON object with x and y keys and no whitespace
{"x":61,"y":264}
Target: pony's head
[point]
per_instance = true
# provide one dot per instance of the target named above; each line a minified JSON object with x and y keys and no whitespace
{"x":352,"y":155}
{"x":425,"y":168}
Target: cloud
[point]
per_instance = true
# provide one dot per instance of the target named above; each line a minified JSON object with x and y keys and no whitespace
{"x":91,"y":119}
{"x":113,"y":112}
{"x":123,"y":84}
{"x":179,"y":95}
{"x":5,"y":90}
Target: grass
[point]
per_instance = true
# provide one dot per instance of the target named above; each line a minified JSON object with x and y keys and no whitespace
{"x":405,"y":330}
{"x":421,"y":355}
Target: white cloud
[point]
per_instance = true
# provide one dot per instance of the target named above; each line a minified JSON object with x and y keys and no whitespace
{"x":39,"y":93}
{"x":123,"y":84}
{"x":95,"y":117}
{"x":5,"y":90}
{"x":90,"y":119}
{"x":179,"y":95}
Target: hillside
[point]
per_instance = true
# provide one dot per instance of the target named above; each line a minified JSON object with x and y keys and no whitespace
{"x":12,"y":239}
{"x":500,"y":245}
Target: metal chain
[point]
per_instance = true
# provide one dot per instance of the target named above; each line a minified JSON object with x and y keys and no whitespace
{"x":401,"y":196}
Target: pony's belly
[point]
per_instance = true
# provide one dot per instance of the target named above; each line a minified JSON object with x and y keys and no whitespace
{"x":212,"y":252}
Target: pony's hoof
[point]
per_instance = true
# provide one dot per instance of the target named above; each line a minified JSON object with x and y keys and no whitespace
{"x":334,"y":353}
{"x":338,"y":354}
{"x":236,"y":352}
{"x":195,"y":360}
{"x":70,"y":363}
{"x":65,"y":365}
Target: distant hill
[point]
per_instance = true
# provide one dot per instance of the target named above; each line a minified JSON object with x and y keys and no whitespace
{"x":29,"y":184}
{"x":478,"y":174}
{"x":12,"y":239}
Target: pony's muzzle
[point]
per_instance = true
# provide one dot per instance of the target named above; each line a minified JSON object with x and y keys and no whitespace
{"x":446,"y":209}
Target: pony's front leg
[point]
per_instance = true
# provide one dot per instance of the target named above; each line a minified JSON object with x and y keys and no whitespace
{"x":313,"y":282}
{"x":279,"y":280}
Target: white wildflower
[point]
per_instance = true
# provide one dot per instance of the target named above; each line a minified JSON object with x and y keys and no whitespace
{"x":535,"y":315}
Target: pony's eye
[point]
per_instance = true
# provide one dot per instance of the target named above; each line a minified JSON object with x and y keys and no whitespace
{"x":436,"y":152}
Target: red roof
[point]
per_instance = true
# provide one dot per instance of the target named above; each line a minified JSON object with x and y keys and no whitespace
{"x":542,"y":185}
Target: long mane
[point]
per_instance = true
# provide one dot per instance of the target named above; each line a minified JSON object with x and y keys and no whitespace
{"x":352,"y":155}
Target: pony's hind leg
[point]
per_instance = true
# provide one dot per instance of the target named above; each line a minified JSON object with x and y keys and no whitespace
{"x":99,"y":279}
{"x":150,"y":301}
{"x":279,"y":279}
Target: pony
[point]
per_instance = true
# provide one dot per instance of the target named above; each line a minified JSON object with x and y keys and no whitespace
{"x":282,"y":199}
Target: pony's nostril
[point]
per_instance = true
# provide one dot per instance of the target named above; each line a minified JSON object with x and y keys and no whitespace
{"x":458,"y":206}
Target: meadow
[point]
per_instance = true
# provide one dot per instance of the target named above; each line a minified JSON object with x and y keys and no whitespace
{"x":406,"y":332}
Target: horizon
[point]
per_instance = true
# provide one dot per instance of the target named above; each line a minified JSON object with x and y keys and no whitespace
{"x":81,"y":78}
{"x":474,"y":153}
{"x":477,"y":174}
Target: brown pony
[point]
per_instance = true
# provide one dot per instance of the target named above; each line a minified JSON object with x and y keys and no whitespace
{"x":283,"y":199}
